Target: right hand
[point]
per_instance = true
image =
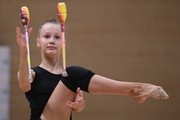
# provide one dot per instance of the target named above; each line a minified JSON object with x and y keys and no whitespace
{"x":79,"y":104}
{"x":21,"y":40}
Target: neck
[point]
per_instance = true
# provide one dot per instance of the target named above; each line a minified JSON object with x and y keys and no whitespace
{"x":52,"y":65}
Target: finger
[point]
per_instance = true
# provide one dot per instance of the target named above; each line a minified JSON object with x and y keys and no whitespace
{"x":80,"y":100}
{"x":79,"y":92}
{"x":18,"y":33}
{"x":17,"y":29}
{"x":30,"y":31}
{"x":71,"y":104}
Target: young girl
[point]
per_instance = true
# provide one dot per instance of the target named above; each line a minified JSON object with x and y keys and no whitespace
{"x":50,"y":94}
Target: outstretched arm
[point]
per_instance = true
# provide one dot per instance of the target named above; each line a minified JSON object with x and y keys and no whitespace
{"x":139,"y":91}
{"x":23,"y":67}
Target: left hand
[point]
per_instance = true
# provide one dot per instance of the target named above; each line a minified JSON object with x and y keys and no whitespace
{"x":79,"y":104}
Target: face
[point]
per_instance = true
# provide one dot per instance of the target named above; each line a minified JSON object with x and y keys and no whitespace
{"x":49,"y":40}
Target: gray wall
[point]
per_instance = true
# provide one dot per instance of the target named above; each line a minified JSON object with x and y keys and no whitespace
{"x":124,"y":40}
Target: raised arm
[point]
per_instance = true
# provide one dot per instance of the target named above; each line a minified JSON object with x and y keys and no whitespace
{"x":22,"y":74}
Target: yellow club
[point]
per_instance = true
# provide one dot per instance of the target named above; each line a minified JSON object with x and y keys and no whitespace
{"x":62,"y":12}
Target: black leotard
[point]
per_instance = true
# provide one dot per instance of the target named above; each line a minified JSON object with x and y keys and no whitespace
{"x":45,"y":82}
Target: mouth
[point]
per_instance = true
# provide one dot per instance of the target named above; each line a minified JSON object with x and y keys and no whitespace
{"x":51,"y":47}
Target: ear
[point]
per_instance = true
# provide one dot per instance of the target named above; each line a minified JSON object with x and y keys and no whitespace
{"x":38,"y":43}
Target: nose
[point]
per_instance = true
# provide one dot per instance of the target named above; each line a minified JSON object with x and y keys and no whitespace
{"x":51,"y":40}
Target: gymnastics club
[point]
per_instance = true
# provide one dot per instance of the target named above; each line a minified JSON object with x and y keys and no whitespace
{"x":61,"y":9}
{"x":25,"y":19}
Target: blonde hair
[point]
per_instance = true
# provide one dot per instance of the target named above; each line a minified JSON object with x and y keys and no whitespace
{"x":50,"y":20}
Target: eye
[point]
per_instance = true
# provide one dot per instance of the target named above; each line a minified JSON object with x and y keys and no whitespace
{"x":47,"y":36}
{"x":57,"y":37}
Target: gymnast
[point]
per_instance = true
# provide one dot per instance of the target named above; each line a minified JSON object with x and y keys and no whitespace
{"x":51,"y":95}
